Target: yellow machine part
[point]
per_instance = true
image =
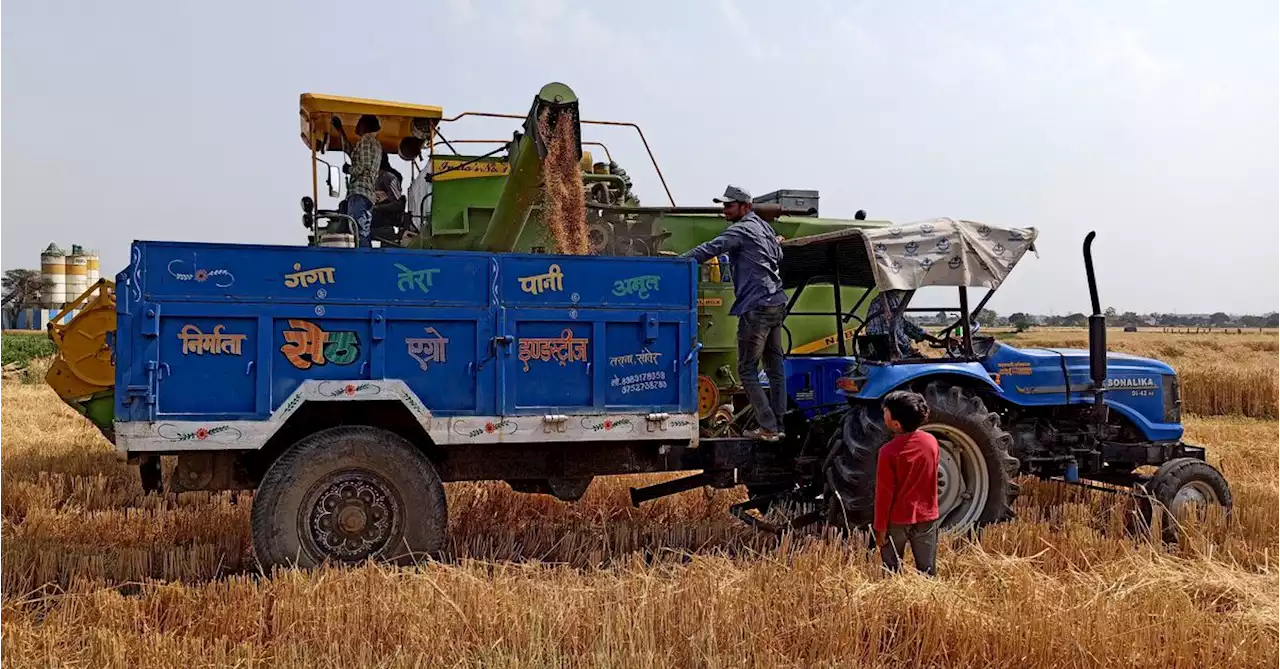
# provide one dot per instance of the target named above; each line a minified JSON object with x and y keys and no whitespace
{"x":83,"y":365}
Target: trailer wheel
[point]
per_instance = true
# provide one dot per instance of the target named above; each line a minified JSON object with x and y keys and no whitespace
{"x":349,"y":494}
{"x":974,"y":465}
{"x":1178,"y":483}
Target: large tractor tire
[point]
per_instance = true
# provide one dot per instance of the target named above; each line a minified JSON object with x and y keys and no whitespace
{"x":1177,"y":483}
{"x":346,"y":495}
{"x":974,"y":468}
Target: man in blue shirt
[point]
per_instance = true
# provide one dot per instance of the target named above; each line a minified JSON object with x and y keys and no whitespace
{"x":758,"y":302}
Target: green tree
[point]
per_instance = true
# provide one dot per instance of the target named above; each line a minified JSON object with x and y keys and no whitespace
{"x":1020,"y":321}
{"x":23,"y":289}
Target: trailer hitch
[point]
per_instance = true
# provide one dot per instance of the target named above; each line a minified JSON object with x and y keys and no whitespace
{"x":739,"y":511}
{"x":759,"y":503}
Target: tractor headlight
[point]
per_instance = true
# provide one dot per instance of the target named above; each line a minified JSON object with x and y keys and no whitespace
{"x":1172,"y":399}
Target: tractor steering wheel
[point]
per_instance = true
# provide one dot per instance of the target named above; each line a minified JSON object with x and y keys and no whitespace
{"x":945,"y":342}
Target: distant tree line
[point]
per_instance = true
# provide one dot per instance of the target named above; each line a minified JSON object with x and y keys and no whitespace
{"x":1217,"y":319}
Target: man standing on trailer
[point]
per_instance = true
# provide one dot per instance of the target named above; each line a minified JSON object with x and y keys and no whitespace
{"x":758,"y":302}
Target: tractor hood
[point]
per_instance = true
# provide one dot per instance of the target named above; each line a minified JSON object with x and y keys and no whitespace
{"x":1118,"y":364}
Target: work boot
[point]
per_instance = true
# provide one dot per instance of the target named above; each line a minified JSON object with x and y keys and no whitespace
{"x":762,"y":434}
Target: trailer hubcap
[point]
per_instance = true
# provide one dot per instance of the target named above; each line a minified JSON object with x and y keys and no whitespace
{"x":351,"y":515}
{"x":963,"y":483}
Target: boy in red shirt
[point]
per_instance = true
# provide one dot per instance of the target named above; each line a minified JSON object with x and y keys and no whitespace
{"x":907,"y":485}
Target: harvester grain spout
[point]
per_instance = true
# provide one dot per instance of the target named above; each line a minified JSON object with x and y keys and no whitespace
{"x":527,"y":152}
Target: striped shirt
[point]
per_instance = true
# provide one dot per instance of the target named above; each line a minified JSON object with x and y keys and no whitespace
{"x":366,"y":159}
{"x":882,"y":321}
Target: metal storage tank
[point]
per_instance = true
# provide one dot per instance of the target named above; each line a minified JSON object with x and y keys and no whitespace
{"x":77,"y":273}
{"x":53,"y":268}
{"x":94,"y":271}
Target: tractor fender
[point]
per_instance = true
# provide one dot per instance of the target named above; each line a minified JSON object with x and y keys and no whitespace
{"x":881,"y":379}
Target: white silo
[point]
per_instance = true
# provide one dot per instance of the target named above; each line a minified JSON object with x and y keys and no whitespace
{"x":53,"y":269}
{"x":77,"y":273}
{"x":94,"y":271}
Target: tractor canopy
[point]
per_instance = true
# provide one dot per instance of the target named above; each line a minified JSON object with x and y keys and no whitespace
{"x":937,"y":252}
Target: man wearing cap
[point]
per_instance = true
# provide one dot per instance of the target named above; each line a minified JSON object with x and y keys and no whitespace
{"x":758,"y":302}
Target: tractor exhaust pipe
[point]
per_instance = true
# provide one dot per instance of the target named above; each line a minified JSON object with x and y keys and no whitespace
{"x":1097,"y":339}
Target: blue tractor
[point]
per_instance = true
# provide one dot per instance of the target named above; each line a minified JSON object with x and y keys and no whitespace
{"x":1089,"y":418}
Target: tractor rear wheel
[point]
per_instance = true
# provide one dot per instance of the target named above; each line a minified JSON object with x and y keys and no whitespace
{"x":974,"y":465}
{"x":1177,"y":486}
{"x":349,"y":494}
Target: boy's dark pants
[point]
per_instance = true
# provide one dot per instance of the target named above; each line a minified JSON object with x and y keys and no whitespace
{"x":923,"y":538}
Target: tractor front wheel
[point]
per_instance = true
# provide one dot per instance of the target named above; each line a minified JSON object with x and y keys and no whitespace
{"x":1181,"y":486}
{"x":974,"y":465}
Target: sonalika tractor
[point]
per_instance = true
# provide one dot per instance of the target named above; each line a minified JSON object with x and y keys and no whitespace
{"x":345,"y":385}
{"x":998,"y":411}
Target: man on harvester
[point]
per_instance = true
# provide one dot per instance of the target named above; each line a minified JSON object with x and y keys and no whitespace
{"x":366,"y":159}
{"x":758,"y":302}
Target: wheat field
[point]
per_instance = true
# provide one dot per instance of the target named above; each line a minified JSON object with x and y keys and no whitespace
{"x":96,"y":574}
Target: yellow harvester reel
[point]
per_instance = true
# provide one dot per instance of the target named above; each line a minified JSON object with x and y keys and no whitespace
{"x":83,"y":365}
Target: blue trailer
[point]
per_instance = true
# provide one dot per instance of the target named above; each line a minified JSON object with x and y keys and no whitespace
{"x":223,"y":344}
{"x":345,"y":385}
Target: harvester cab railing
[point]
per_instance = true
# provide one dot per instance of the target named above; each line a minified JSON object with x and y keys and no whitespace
{"x":622,"y":124}
{"x":939,"y":252}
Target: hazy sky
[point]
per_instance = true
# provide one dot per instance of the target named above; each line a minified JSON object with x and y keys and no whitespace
{"x":1154,"y":123}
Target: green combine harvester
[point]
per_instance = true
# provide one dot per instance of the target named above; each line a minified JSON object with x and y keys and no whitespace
{"x":460,"y":197}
